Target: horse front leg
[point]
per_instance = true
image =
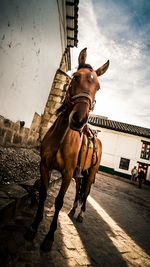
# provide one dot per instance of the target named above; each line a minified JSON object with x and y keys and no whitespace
{"x":31,"y":232}
{"x":75,"y":205}
{"x":49,"y":239}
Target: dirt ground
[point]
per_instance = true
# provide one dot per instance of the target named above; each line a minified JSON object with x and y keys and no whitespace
{"x":18,"y":164}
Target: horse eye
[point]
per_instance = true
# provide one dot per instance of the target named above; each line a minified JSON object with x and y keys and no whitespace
{"x":98,"y":87}
{"x":75,"y":78}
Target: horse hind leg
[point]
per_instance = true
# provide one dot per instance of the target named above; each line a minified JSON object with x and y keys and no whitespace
{"x":86,"y":191}
{"x":31,"y":232}
{"x":75,"y":205}
{"x":49,"y":239}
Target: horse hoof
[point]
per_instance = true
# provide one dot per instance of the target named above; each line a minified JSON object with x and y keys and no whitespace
{"x":30,"y":234}
{"x":46,"y":245}
{"x":79,"y":219}
{"x":71,"y":213}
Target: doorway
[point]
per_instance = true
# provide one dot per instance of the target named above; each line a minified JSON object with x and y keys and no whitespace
{"x":145,"y":168}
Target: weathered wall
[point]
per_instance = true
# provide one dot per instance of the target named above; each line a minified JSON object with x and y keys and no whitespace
{"x":31,"y":48}
{"x":12,"y":134}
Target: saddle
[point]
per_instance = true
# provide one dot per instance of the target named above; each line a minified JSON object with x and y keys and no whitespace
{"x":88,"y":137}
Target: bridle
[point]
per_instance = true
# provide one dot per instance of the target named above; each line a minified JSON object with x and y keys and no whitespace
{"x":71,"y":101}
{"x":84,"y":97}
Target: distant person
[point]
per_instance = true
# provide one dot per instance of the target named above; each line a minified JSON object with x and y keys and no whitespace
{"x":134,"y":174}
{"x":141,"y":176}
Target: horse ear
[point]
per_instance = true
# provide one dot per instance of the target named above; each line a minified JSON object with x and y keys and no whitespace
{"x":102,"y":69}
{"x":82,"y":56}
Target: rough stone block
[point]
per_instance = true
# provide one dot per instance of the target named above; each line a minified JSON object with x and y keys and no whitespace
{"x":46,"y":117}
{"x":30,"y":141}
{"x":8,"y":136}
{"x":17,"y":139}
{"x":16,"y":127}
{"x":1,"y":122}
{"x":55,"y":98}
{"x":52,"y":110}
{"x":34,"y":135}
{"x":50,"y":103}
{"x":53,"y":118}
{"x":2,"y":136}
{"x":57,"y":105}
{"x":43,"y":132}
{"x":7,"y":123}
{"x":46,"y":109}
{"x":59,"y":85}
{"x":44,"y":124}
{"x":57,"y":92}
{"x":61,"y":77}
{"x":36,"y":122}
{"x":2,"y":132}
{"x":25,"y":138}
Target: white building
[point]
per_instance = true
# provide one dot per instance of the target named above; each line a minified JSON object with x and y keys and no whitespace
{"x":123,"y":146}
{"x":33,"y":37}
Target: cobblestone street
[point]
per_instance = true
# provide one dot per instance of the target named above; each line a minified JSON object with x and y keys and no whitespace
{"x":115,"y":230}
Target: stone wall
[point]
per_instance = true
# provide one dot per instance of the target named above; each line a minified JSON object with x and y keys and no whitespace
{"x":56,"y":97}
{"x":15,"y":134}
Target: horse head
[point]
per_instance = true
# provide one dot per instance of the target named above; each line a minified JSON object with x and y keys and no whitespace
{"x":81,"y":92}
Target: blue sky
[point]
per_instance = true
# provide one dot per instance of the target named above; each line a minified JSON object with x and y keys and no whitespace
{"x":119,"y":31}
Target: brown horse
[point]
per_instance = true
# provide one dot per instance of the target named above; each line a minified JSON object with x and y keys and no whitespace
{"x":64,"y":147}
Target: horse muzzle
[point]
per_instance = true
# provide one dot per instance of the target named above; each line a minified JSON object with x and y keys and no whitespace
{"x":76,"y":122}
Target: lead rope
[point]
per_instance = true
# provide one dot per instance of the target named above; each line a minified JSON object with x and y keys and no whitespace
{"x":77,"y":172}
{"x":94,"y":152}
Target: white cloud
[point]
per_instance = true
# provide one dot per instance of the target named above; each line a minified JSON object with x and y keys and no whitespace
{"x":125,"y":86}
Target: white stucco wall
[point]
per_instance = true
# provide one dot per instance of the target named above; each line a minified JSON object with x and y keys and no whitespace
{"x":117,"y":145}
{"x":30,"y":53}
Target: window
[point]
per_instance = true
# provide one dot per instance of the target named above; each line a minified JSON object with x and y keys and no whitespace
{"x":145,"y":152}
{"x":124,"y":163}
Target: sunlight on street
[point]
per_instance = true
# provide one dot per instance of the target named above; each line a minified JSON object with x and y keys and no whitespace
{"x":72,"y":241}
{"x":129,"y":250}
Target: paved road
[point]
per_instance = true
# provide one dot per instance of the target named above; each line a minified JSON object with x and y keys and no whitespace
{"x":115,"y":230}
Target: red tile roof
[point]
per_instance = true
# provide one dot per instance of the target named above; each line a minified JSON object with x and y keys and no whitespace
{"x":103,"y":122}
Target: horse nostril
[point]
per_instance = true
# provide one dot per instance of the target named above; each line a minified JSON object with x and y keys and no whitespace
{"x":76,"y":117}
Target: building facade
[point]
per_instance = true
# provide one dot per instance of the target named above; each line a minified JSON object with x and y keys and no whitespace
{"x":123,"y":146}
{"x":36,"y":37}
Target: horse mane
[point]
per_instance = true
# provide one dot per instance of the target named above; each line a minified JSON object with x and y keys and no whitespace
{"x":88,"y":66}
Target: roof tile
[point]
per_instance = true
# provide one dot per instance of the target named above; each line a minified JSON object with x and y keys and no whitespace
{"x":119,"y":126}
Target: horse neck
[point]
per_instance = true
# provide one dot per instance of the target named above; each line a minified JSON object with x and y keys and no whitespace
{"x":60,"y":128}
{"x":55,"y":135}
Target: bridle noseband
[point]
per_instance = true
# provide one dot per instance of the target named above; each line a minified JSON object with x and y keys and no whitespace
{"x":83,"y":97}
{"x":71,"y":101}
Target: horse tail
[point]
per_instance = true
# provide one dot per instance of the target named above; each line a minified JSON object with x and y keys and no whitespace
{"x":83,"y":183}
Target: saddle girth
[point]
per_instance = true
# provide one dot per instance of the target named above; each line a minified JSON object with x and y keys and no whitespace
{"x":90,"y":135}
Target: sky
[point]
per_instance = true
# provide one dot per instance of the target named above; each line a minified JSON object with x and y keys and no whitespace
{"x":118,"y":30}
